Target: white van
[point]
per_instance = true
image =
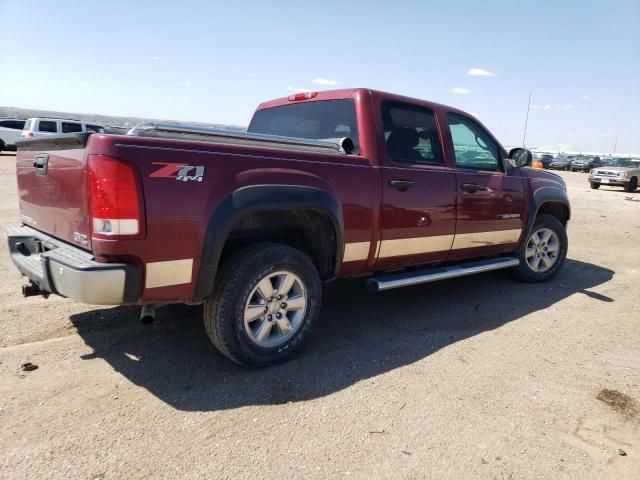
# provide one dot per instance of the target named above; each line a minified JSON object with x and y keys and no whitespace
{"x":36,"y":127}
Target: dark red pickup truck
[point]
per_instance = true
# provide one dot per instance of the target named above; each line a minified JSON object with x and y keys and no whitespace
{"x":333,"y":184}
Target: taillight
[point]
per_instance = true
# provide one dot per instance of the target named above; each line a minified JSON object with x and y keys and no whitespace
{"x":28,"y":133}
{"x":115,"y":204}
{"x":302,"y":96}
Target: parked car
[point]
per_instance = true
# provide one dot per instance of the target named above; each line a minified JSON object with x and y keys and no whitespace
{"x":330,"y":184}
{"x":37,"y":127}
{"x":585,"y":164}
{"x":10,"y":130}
{"x":560,"y":163}
{"x":621,"y":172}
{"x":546,"y":160}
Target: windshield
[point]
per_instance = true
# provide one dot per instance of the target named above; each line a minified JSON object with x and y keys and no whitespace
{"x":623,"y":162}
{"x":321,"y":120}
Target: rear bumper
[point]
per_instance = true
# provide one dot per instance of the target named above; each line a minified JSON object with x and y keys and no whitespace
{"x":620,"y":182}
{"x":62,"y":269}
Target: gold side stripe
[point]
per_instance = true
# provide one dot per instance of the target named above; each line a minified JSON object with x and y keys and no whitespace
{"x":412,"y":246}
{"x":172,"y":272}
{"x":485,"y":239}
{"x":356,"y":251}
{"x":443,"y":243}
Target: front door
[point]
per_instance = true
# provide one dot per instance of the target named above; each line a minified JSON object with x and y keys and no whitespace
{"x":491,"y":204}
{"x":419,"y":189}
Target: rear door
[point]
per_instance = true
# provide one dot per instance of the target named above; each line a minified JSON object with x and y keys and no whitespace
{"x":419,"y":188}
{"x":491,"y":204}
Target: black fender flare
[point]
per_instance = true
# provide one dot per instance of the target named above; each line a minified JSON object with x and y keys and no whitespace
{"x":540,"y":197}
{"x":256,"y":198}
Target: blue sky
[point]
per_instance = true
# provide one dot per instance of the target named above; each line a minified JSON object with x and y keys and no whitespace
{"x":215,"y":61}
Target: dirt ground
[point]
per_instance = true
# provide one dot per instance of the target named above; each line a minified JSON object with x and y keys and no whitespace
{"x":480,"y":377}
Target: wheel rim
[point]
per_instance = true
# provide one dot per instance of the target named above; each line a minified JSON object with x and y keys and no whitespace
{"x":543,"y":249}
{"x":275,"y":309}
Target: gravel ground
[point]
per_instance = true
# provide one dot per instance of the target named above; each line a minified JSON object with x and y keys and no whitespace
{"x":480,"y":377}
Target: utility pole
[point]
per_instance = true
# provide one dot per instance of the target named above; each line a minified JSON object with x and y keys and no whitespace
{"x":615,"y":145}
{"x":526,"y":121}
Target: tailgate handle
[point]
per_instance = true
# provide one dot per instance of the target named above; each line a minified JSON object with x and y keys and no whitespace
{"x":41,"y":163}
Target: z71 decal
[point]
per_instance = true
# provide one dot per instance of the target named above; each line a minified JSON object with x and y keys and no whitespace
{"x":179,"y":171}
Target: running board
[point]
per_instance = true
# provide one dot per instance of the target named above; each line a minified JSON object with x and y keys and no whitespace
{"x":397,"y":280}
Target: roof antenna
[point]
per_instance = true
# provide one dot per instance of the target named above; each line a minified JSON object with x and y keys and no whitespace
{"x":526,"y":121}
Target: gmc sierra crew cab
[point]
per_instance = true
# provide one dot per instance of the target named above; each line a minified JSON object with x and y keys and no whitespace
{"x":330,"y":184}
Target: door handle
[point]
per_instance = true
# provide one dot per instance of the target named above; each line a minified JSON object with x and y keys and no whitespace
{"x":401,"y":185}
{"x":41,"y":164}
{"x":470,"y":187}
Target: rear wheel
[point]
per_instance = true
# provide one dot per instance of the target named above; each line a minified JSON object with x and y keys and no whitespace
{"x":266,"y":300}
{"x":595,"y":185}
{"x":543,"y":253}
{"x":632,"y":185}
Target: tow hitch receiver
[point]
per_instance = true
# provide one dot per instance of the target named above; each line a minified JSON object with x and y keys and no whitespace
{"x":31,"y":290}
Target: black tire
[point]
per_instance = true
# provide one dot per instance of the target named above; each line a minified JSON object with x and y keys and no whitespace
{"x":595,"y":185}
{"x":237,"y":279}
{"x":523,"y":271}
{"x":631,"y":185}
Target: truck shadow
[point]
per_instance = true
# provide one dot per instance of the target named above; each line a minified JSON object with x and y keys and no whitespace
{"x":360,"y":335}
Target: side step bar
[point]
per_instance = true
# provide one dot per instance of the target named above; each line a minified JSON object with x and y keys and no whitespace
{"x":397,"y":280}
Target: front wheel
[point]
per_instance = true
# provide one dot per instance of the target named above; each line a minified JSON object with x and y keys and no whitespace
{"x":267,"y":297}
{"x":632,"y":185}
{"x":595,"y":185}
{"x":543,"y":253}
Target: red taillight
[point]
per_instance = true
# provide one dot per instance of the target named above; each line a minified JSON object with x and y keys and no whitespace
{"x":114,"y":199}
{"x":302,"y":96}
{"x":28,"y":133}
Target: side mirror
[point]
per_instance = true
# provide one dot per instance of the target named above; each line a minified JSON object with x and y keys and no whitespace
{"x":520,"y":157}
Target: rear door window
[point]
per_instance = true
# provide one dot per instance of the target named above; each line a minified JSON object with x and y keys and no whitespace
{"x":48,"y":126}
{"x":95,"y":129}
{"x":321,"y":120}
{"x":15,"y":124}
{"x":410,"y":133}
{"x":69,"y":127}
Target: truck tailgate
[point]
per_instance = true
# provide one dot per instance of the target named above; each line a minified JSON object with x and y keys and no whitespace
{"x":52,"y":187}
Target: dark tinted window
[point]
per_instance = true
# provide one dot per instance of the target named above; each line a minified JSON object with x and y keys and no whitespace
{"x":47,"y":126}
{"x":17,"y":124}
{"x":95,"y":129}
{"x":325,"y":119}
{"x":473,"y":147}
{"x":410,"y":133}
{"x":68,"y":127}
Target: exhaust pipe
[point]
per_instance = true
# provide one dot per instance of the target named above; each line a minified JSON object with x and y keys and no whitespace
{"x":148,"y":314}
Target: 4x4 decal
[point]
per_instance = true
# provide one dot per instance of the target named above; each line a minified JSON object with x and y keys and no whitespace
{"x":179,"y":171}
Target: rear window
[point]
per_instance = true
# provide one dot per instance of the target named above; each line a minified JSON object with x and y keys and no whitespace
{"x":321,"y":120}
{"x":47,"y":126}
{"x":68,"y":127}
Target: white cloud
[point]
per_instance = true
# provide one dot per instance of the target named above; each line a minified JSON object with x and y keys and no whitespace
{"x":297,"y":89}
{"x":155,"y":58}
{"x":461,"y":91}
{"x":185,"y":84}
{"x":480,"y":72}
{"x":564,"y":108}
{"x":536,"y":107}
{"x":547,"y":107}
{"x":324,"y":81}
{"x":585,"y":97}
{"x":251,"y":74}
